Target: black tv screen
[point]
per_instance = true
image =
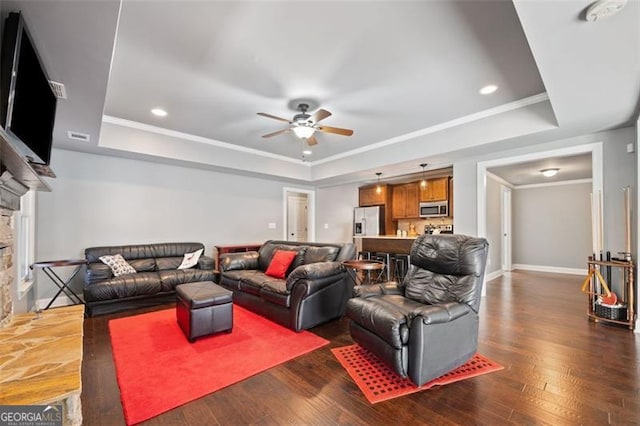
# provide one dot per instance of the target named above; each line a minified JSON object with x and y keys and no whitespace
{"x":28,"y":105}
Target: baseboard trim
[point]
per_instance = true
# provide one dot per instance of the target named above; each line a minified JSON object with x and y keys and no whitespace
{"x":553,"y":269}
{"x":60,"y":301}
{"x":493,"y":275}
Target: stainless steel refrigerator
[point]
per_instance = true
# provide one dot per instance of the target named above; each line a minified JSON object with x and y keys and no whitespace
{"x":368,"y":220}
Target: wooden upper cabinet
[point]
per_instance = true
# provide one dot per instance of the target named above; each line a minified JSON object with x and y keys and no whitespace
{"x":404,"y":201}
{"x":437,"y":190}
{"x":368,"y":196}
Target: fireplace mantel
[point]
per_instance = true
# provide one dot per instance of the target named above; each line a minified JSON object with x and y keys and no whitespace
{"x":16,"y":174}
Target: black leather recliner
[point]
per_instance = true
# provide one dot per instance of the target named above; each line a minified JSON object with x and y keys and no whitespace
{"x":427,"y":325}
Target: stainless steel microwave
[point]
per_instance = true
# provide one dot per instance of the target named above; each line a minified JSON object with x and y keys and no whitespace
{"x":434,"y":209}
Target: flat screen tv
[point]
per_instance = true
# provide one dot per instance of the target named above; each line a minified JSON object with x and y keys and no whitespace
{"x":27,"y":102}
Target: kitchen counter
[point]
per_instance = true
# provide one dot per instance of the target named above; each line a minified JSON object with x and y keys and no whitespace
{"x":385,"y":243}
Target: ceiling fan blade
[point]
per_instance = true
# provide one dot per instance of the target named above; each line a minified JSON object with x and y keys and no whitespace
{"x":336,"y":130}
{"x":320,"y":114}
{"x":277,"y":133}
{"x":272,"y":116}
{"x":311,"y":140}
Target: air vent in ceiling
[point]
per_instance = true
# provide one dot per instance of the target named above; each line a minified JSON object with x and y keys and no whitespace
{"x":58,"y":89}
{"x":78,"y":136}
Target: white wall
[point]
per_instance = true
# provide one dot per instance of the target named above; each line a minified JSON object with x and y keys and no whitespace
{"x":494,"y":225}
{"x":99,"y":200}
{"x":552,"y":226}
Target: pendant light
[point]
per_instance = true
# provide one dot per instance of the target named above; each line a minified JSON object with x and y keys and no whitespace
{"x":423,"y":182}
{"x":378,"y":188}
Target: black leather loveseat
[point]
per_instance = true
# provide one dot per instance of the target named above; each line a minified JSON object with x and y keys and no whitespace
{"x":153,"y":283}
{"x":315,"y":290}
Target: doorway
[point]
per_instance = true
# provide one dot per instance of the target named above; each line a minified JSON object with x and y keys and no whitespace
{"x":595,"y":151}
{"x":299,"y":217}
{"x":506,"y":228}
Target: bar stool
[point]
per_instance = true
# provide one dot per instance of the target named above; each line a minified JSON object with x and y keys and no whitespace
{"x":386,"y":259}
{"x":364,"y":255}
{"x":401,"y":266}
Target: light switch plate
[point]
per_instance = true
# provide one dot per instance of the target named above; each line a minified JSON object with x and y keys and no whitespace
{"x":272,"y":225}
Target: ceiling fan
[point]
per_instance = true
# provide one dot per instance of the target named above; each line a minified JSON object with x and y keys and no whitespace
{"x":305,"y":125}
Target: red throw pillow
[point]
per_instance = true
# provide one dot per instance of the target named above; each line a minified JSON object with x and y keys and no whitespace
{"x":280,"y":263}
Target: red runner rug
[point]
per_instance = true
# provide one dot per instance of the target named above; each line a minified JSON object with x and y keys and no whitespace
{"x":378,"y":383}
{"x":158,"y":369}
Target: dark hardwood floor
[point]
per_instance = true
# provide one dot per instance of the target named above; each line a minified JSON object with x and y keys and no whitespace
{"x":560,"y":369}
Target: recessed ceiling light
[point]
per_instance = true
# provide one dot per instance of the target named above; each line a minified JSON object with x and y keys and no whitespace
{"x":488,"y":89}
{"x":307,"y":152}
{"x":159,"y":112}
{"x":549,"y":172}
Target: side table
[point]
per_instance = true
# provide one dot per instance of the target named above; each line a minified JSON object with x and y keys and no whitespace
{"x":62,"y":285}
{"x":361,"y":271}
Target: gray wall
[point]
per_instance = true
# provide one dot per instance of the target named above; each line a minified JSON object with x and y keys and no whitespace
{"x":334,"y":207}
{"x":99,"y":200}
{"x":104,"y":200}
{"x":619,"y":171}
{"x":552,"y":226}
{"x":494,"y":225}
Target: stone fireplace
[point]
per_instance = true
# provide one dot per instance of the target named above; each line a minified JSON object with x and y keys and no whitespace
{"x":10,"y":192}
{"x":6,"y":265}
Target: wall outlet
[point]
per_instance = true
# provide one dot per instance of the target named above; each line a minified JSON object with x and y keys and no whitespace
{"x":272,"y":225}
{"x":326,"y":226}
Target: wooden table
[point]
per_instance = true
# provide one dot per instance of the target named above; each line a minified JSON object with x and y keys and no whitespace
{"x":361,"y":271}
{"x":41,"y":360}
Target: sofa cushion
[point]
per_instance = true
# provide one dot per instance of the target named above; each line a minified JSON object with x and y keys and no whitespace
{"x":142,"y":284}
{"x":189,"y":260}
{"x":171,"y":278}
{"x":166,"y":263}
{"x":320,"y":254}
{"x":275,"y":297}
{"x":280,"y":263}
{"x":268,"y":249}
{"x":143,"y":265}
{"x":118,"y":265}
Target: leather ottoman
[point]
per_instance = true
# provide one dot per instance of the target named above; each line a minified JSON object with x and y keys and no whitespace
{"x":203,"y":308}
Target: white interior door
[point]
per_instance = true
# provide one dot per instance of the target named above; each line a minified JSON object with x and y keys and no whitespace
{"x":506,"y":229}
{"x":297,"y":222}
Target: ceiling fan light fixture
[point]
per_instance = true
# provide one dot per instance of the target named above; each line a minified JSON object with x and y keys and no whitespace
{"x":549,"y":172}
{"x":303,"y":132}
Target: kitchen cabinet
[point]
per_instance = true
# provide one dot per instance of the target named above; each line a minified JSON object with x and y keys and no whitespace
{"x":369,"y":196}
{"x":436,"y":190}
{"x":405,"y":201}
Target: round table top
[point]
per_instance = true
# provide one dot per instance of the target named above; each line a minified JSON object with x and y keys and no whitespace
{"x":54,"y":263}
{"x":365,"y":265}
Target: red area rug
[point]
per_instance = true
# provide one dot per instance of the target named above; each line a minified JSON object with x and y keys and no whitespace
{"x":378,"y":383}
{"x":158,"y":369}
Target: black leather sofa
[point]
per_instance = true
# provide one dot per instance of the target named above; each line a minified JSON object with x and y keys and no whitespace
{"x":315,"y":290}
{"x":154,"y":283}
